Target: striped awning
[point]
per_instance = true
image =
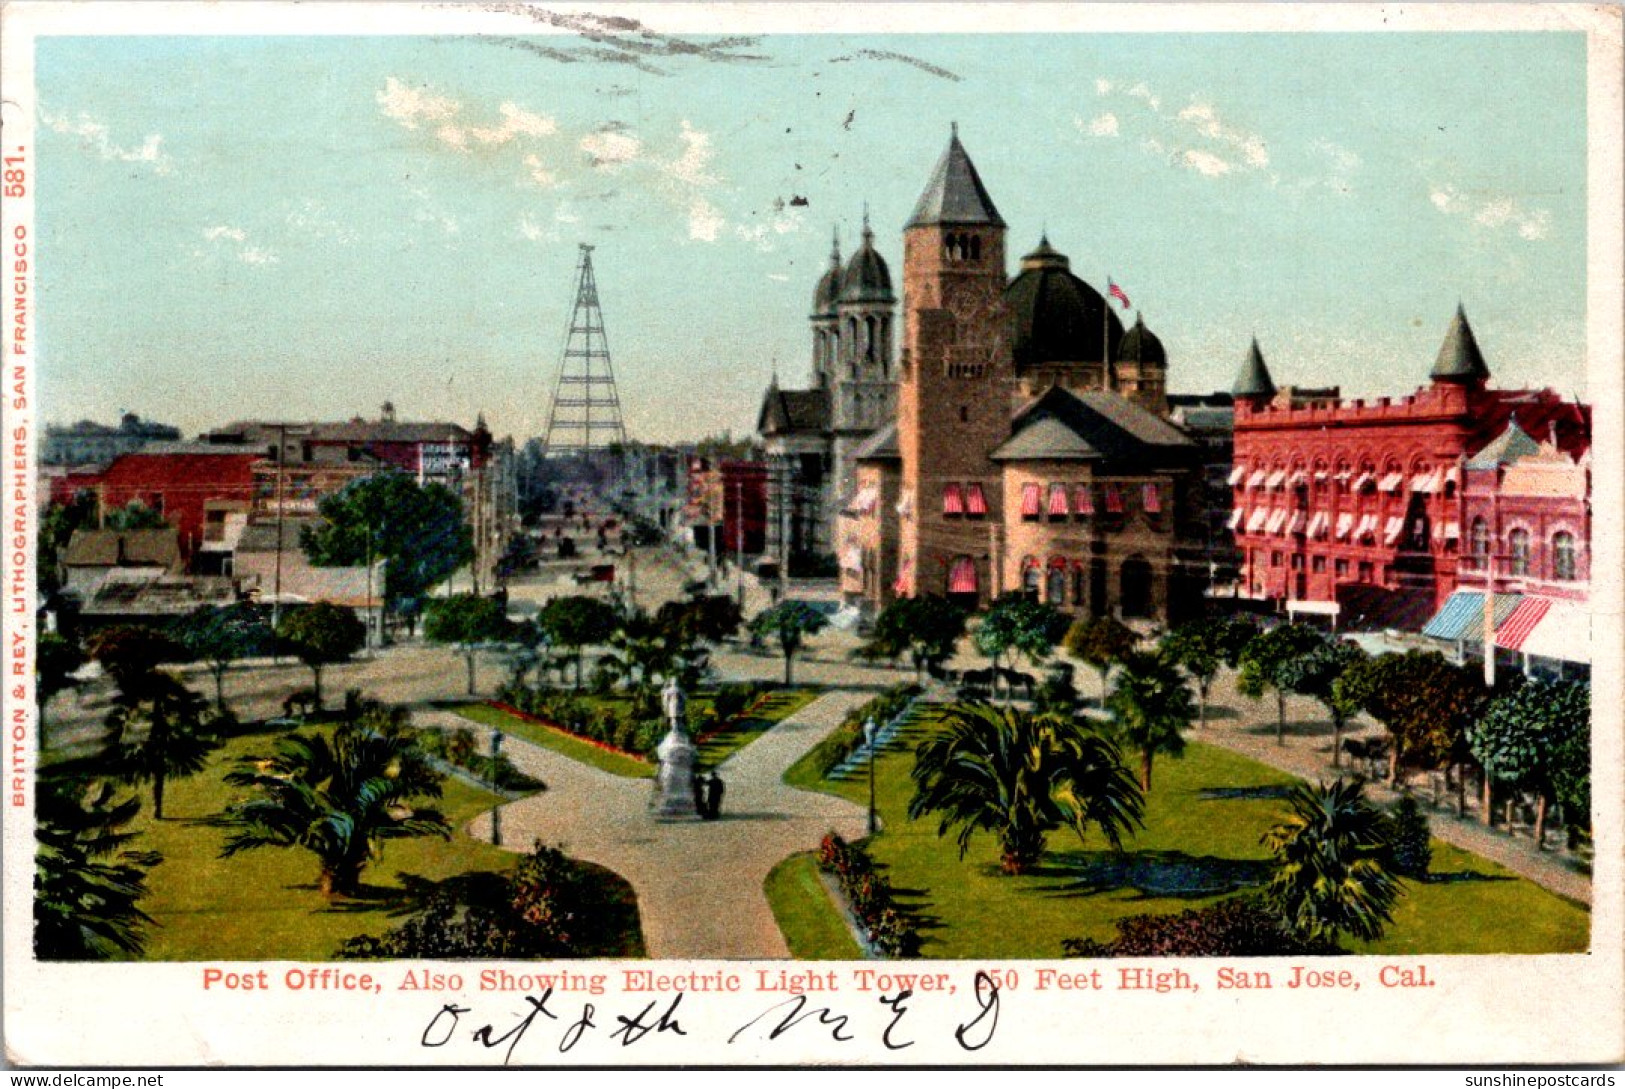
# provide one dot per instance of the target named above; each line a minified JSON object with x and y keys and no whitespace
{"x":975,"y":499}
{"x":1255,"y":521}
{"x":1564,"y":634}
{"x":1391,"y":482}
{"x":1257,"y":478}
{"x":1298,"y":479}
{"x":1029,"y":500}
{"x":1057,"y":501}
{"x":1360,"y":481}
{"x":962,"y":577}
{"x":1392,"y":529}
{"x":1345,"y":522}
{"x":1463,"y":616}
{"x":1521,"y":623}
{"x":1277,"y":478}
{"x":1151,"y":498}
{"x":1235,"y":517}
{"x":1277,"y":519}
{"x":953,"y":499}
{"x":903,"y":573}
{"x":1236,"y":474}
{"x":1317,"y":524}
{"x":1427,"y":483}
{"x":1296,"y":525}
{"x":1114,"y":499}
{"x":1451,"y":531}
{"x":1083,"y":499}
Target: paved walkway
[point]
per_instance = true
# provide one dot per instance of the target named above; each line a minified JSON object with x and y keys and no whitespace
{"x":699,"y":883}
{"x":1249,"y":729}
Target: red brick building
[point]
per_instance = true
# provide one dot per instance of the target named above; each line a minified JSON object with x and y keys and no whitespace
{"x":727,"y":500}
{"x":1356,"y":508}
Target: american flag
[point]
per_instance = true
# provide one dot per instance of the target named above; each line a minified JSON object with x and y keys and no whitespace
{"x":1117,"y":293}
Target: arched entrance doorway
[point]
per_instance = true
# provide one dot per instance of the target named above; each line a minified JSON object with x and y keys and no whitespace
{"x":1136,"y":587}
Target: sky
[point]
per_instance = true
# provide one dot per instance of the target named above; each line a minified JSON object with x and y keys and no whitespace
{"x":236,"y":227}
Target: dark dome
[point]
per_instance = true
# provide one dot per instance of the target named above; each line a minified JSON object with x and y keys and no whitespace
{"x":1140,"y":345}
{"x":829,"y":285}
{"x":866,"y":277}
{"x":1054,"y":316}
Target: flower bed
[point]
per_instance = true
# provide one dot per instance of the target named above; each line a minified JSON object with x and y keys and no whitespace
{"x":889,"y":932}
{"x":510,"y":709}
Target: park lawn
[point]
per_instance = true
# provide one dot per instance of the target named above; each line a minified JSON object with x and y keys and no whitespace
{"x":263,"y":904}
{"x":812,"y":925}
{"x":561,"y":742}
{"x":1204,"y":820}
{"x":770,"y":710}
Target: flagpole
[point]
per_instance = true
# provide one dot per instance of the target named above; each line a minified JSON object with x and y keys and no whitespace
{"x":1106,"y":375}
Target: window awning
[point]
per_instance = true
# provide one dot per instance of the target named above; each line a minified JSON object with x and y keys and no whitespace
{"x":1321,"y":475}
{"x":852,"y":559}
{"x":1392,"y":529}
{"x":1083,"y":499}
{"x":1462,"y":617}
{"x":1361,"y":481}
{"x":1296,"y":525}
{"x":1257,"y":478}
{"x":1029,"y":500}
{"x":1151,"y":498}
{"x":1114,"y":499}
{"x":953,"y":499}
{"x":975,"y":499}
{"x":1391,"y":482}
{"x":1365,"y":525}
{"x":1236,"y":516}
{"x":1298,"y":479}
{"x":1564,"y":634}
{"x":1057,"y":501}
{"x":1521,"y":623}
{"x":1277,"y":520}
{"x":1255,"y":520}
{"x":1427,"y":483}
{"x":962,"y":576}
{"x":1452,"y":475}
{"x":1236,"y":474}
{"x":1277,"y":478}
{"x":1345,"y":522}
{"x":1317,"y":524}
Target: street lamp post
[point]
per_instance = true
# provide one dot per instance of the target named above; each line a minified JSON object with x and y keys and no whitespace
{"x":496,"y":810}
{"x":869,"y":739}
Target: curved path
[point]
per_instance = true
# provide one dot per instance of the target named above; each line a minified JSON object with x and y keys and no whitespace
{"x":698,"y":883}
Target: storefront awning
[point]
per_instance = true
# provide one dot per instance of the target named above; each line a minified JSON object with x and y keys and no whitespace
{"x":1521,"y":623}
{"x":1463,"y":616}
{"x":1563,"y":634}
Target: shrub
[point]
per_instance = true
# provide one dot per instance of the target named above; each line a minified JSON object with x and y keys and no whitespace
{"x":890,"y":931}
{"x":649,"y":733}
{"x":847,"y":738}
{"x":1238,"y":927}
{"x":1413,"y":849}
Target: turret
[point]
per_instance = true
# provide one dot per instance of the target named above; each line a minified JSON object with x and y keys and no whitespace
{"x":1254,"y":386}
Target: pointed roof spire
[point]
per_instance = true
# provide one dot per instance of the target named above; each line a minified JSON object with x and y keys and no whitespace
{"x":1459,"y":358}
{"x":1254,"y":379}
{"x":1510,"y":445}
{"x":835,"y":245}
{"x":955,"y":194}
{"x":868,"y":235}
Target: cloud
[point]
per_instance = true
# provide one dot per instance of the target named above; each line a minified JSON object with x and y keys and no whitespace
{"x":1103,"y":86}
{"x":1492,"y":211}
{"x":1203,"y":162}
{"x":540,"y":172}
{"x":312,"y":218}
{"x":516,"y":121}
{"x":409,"y":105}
{"x":233,"y":241}
{"x":1227,"y":139}
{"x":763,"y":234}
{"x":1104,"y":125}
{"x":610,"y":149}
{"x":532,"y":231}
{"x":693,"y":166}
{"x":95,"y":136}
{"x":705,"y":222}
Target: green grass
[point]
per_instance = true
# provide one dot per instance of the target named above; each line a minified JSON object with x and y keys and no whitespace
{"x":559,"y":741}
{"x":263,"y":904}
{"x":811,"y":923}
{"x":773,"y":708}
{"x":1195,"y":848}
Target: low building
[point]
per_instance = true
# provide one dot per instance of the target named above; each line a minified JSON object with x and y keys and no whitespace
{"x":89,"y":443}
{"x":727,"y":506}
{"x":94,"y":556}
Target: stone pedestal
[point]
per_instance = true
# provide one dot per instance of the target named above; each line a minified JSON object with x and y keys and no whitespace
{"x":674,"y":784}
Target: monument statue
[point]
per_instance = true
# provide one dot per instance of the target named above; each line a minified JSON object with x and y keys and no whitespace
{"x":675,"y":795}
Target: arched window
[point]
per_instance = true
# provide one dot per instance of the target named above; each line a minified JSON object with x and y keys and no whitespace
{"x":975,"y":248}
{"x":870,"y":330}
{"x":1518,"y":550}
{"x":1055,"y":588}
{"x":961,"y":576}
{"x":1479,"y":542}
{"x":1031,"y":577}
{"x":1563,"y":556}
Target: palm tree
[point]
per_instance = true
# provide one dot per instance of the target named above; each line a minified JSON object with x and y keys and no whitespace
{"x":1151,"y":707}
{"x":1333,"y":864}
{"x":1019,"y":775}
{"x":339,"y":798}
{"x":87,"y":882}
{"x":156,"y":733}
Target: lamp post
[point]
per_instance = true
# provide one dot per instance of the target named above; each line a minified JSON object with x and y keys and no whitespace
{"x":869,"y":739}
{"x":496,"y":810}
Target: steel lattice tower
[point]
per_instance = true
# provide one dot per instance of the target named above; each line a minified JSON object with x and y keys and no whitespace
{"x":586,"y":411}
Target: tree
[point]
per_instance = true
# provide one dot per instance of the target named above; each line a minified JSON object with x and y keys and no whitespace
{"x":1019,"y":775}
{"x":131,"y":653}
{"x":1269,"y":664}
{"x":1151,"y":708}
{"x":222,"y":634}
{"x":1200,"y":647}
{"x":466,"y":620}
{"x":1099,"y":642}
{"x":789,"y":622}
{"x":321,"y":635}
{"x":926,"y":628}
{"x":1320,"y":674}
{"x":575,"y":622}
{"x":56,"y":659}
{"x":1013,"y":625}
{"x":1525,"y":740}
{"x":88,"y":882}
{"x":707,"y":617}
{"x":1333,"y":864}
{"x":1424,"y":702}
{"x":339,"y":798}
{"x":418,"y":528}
{"x":56,"y":530}
{"x":135,"y":515}
{"x":156,"y":733}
